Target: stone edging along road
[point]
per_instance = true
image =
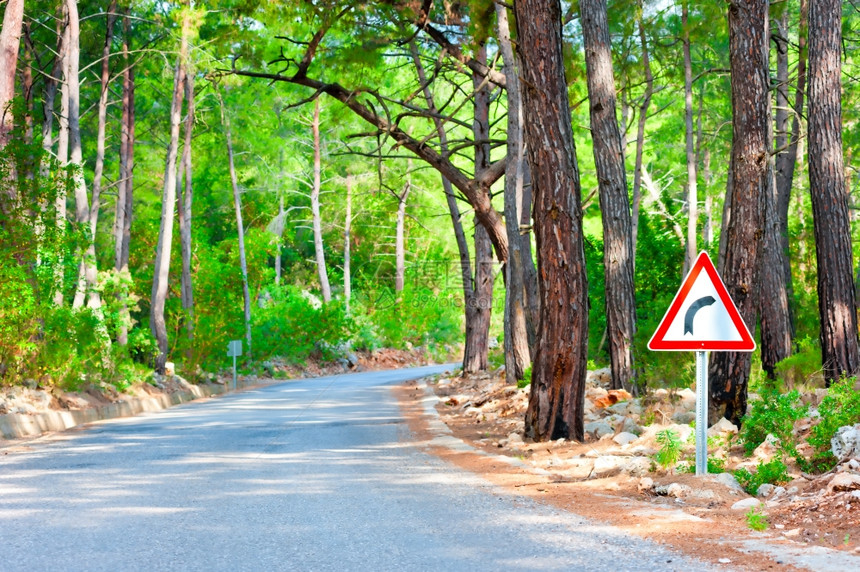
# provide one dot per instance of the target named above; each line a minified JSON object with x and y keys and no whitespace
{"x":30,"y":425}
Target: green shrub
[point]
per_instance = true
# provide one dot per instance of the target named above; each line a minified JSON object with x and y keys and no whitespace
{"x":840,"y":407}
{"x":774,"y":472}
{"x":756,"y":519}
{"x":797,"y":369}
{"x":773,"y":413}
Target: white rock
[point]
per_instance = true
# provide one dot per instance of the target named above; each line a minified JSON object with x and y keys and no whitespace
{"x":645,"y":484}
{"x":746,"y":504}
{"x":764,"y":490}
{"x":169,"y":368}
{"x":602,"y":377}
{"x":607,"y":465}
{"x":598,"y":429}
{"x":684,"y":417}
{"x":729,"y":481}
{"x":625,"y":437}
{"x":676,"y":490}
{"x":515,"y":438}
{"x":722,"y":426}
{"x":792,"y":532}
{"x":845,"y":444}
{"x":687,"y":399}
{"x":768,"y":448}
{"x":637,"y":466}
{"x":844,"y":482}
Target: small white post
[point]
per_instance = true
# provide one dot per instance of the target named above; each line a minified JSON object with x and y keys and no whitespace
{"x":701,"y":413}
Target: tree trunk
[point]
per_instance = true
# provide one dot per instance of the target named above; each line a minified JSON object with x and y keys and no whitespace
{"x":479,"y":308}
{"x":836,"y":302}
{"x":62,"y":161}
{"x":185,"y":201}
{"x":640,"y":132}
{"x":517,"y":350}
{"x":122,"y":218}
{"x":774,"y":308}
{"x":10,"y":41}
{"x":692,"y":189}
{"x":88,"y":274}
{"x":612,"y":185}
{"x":240,"y":228}
{"x":465,"y":263}
{"x":399,"y":240}
{"x":558,"y":372}
{"x":786,"y":161}
{"x":748,"y":54}
{"x":479,"y":305}
{"x":347,"y":237}
{"x":165,"y":232}
{"x":315,"y":207}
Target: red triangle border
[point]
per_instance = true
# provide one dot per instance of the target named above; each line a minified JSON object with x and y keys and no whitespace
{"x":658,"y":341}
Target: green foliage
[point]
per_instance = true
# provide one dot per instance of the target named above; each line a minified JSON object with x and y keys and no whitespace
{"x":799,"y":368}
{"x":527,"y":378}
{"x":756,"y":519}
{"x":773,"y":413}
{"x":774,"y":472}
{"x":840,"y":407}
{"x":670,"y":448}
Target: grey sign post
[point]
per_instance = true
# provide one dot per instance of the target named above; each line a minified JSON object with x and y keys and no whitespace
{"x":234,"y":350}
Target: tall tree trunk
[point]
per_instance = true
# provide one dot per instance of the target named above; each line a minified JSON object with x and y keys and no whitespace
{"x":465,"y":263}
{"x":168,"y":202}
{"x":10,"y":41}
{"x":347,"y":237}
{"x":62,"y":161}
{"x":692,"y":189}
{"x":88,"y":274}
{"x":748,"y":54}
{"x":612,"y":185}
{"x":322,"y":272}
{"x":786,"y":161}
{"x":240,"y":228}
{"x":185,"y":201}
{"x":774,"y":308}
{"x":399,"y":238}
{"x":479,"y":308}
{"x":640,"y":131}
{"x":278,"y":261}
{"x":558,"y":373}
{"x":517,"y":350}
{"x":124,"y":200}
{"x":836,"y":303}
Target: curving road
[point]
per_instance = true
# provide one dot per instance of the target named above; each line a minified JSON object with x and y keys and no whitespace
{"x":314,"y":474}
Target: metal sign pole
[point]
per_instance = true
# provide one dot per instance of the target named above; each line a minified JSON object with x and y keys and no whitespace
{"x":701,"y":413}
{"x":234,"y":372}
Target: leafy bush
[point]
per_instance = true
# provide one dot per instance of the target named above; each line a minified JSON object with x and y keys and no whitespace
{"x":799,"y":368}
{"x":774,"y":472}
{"x":840,"y":407}
{"x":773,"y":413}
{"x":756,"y":519}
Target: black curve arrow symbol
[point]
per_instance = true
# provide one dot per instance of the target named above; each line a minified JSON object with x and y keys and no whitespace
{"x":691,"y":312}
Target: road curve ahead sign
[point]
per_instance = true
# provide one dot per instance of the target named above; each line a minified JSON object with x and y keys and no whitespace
{"x":702,"y":317}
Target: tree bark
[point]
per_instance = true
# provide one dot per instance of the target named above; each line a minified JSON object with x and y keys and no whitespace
{"x":558,"y":373}
{"x":517,"y":350}
{"x":612,"y":186}
{"x":836,"y":302}
{"x":465,"y":262}
{"x":88,"y":273}
{"x":165,"y":232}
{"x":240,"y":228}
{"x":640,"y":132}
{"x":322,"y":272}
{"x":10,"y":41}
{"x":62,"y":160}
{"x":479,"y":308}
{"x":692,"y":189}
{"x":124,"y":201}
{"x":183,"y":209}
{"x":748,"y":54}
{"x":399,"y":238}
{"x":786,"y":161}
{"x":347,"y":237}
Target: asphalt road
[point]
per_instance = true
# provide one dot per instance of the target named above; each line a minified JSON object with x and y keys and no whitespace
{"x":315,"y":474}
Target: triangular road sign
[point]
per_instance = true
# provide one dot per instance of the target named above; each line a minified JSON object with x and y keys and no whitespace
{"x":702,"y":317}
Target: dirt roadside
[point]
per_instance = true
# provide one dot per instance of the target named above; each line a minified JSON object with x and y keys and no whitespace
{"x":705,"y":526}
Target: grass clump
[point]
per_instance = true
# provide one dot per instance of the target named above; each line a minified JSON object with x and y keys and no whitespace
{"x":756,"y":519}
{"x":773,"y":472}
